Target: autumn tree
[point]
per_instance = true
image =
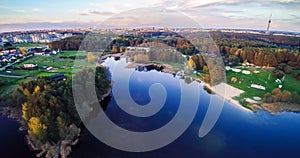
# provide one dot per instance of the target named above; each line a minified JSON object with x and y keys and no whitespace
{"x":115,"y":49}
{"x":287,"y":69}
{"x":90,"y":57}
{"x":286,"y":96}
{"x":37,"y":129}
{"x":280,"y":96}
{"x":23,"y":51}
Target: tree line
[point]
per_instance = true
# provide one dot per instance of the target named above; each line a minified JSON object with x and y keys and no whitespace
{"x":48,"y":110}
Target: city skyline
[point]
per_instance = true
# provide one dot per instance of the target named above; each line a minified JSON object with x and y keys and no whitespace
{"x":236,"y":14}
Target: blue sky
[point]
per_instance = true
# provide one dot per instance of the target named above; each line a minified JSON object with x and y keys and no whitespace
{"x":248,"y":14}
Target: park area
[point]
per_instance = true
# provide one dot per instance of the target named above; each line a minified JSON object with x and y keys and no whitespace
{"x":259,"y":82}
{"x":46,"y":66}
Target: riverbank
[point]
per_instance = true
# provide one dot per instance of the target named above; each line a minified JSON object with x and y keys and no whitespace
{"x":153,"y":66}
{"x":227,"y":92}
{"x":58,"y":140}
{"x":224,"y":90}
{"x":276,"y":108}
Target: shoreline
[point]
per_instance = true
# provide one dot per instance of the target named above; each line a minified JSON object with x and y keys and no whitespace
{"x":229,"y":98}
{"x":214,"y":89}
{"x":62,"y":148}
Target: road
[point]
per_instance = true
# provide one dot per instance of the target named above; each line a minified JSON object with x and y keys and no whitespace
{"x":12,"y":76}
{"x":17,"y":61}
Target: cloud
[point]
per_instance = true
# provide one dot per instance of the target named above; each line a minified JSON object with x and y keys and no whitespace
{"x":44,"y":26}
{"x":117,"y":6}
{"x":30,"y":10}
{"x":95,"y":12}
{"x":211,"y":13}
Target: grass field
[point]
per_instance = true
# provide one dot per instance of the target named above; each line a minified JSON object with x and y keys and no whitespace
{"x":9,"y":85}
{"x":30,"y":45}
{"x":263,"y":78}
{"x":72,"y":53}
{"x":47,"y":61}
{"x":60,"y":65}
{"x":75,"y":53}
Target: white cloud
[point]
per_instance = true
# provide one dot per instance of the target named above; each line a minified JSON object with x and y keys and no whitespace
{"x":210,"y":13}
{"x":93,"y":12}
{"x":29,"y":10}
{"x":288,"y":1}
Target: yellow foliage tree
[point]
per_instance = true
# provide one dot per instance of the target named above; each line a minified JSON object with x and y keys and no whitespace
{"x":90,"y":57}
{"x":26,"y":92}
{"x":24,"y":111}
{"x":37,"y":128}
{"x":36,"y":89}
{"x":205,"y":68}
{"x":23,"y":51}
{"x":115,"y":49}
{"x":191,"y":63}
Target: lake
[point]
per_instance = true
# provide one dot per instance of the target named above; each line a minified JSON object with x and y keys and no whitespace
{"x":12,"y":141}
{"x":237,"y":133}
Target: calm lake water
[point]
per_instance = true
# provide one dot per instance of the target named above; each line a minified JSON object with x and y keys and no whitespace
{"x":237,"y":133}
{"x":12,"y":142}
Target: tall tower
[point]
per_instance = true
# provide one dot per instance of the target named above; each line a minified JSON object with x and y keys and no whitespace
{"x":269,"y":24}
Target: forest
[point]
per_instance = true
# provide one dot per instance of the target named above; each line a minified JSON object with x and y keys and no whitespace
{"x":49,"y":114}
{"x":235,"y":48}
{"x":259,"y":49}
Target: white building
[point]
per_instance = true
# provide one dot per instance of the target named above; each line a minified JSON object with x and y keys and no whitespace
{"x":30,"y":65}
{"x":258,"y":86}
{"x":137,"y":49}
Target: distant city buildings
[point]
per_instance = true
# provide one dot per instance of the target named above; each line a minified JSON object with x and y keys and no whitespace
{"x":47,"y":36}
{"x":36,"y":36}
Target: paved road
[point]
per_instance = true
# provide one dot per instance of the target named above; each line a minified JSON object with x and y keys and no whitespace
{"x":17,"y":61}
{"x":12,"y":76}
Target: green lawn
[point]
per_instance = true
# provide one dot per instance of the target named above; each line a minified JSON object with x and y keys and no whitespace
{"x":263,"y":78}
{"x":291,"y":84}
{"x":75,"y":53}
{"x":72,"y":53}
{"x":9,"y":85}
{"x":31,"y":45}
{"x":60,"y":65}
{"x":53,"y":61}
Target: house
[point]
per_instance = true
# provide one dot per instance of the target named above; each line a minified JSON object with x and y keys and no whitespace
{"x":236,"y":70}
{"x":47,"y":52}
{"x":58,"y":77}
{"x":49,"y":68}
{"x":13,"y":58}
{"x":5,"y":60}
{"x":137,"y":49}
{"x":30,"y":66}
{"x":258,"y":86}
{"x":246,"y":72}
{"x":36,"y":51}
{"x":39,"y":53}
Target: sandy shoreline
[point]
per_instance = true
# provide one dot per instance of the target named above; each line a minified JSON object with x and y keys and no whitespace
{"x":223,"y":90}
{"x":227,"y":92}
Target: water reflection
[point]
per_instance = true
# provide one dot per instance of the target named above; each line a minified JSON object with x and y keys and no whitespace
{"x":236,"y":134}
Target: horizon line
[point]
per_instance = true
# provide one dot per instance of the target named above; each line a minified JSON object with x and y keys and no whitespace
{"x":115,"y":28}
